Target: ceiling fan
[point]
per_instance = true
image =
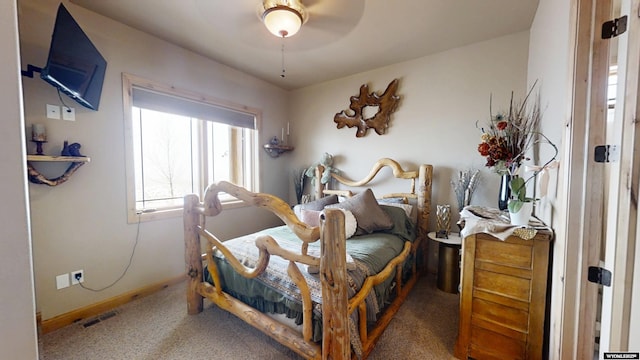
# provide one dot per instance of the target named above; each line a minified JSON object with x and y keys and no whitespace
{"x":227,"y":31}
{"x":284,"y":18}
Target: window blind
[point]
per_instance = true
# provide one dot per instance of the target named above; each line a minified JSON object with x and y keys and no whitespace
{"x":152,"y":100}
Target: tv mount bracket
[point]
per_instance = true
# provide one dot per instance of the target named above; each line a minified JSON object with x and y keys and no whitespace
{"x":30,"y":70}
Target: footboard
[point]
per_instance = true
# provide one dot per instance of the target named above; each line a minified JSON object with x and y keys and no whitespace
{"x":332,"y":270}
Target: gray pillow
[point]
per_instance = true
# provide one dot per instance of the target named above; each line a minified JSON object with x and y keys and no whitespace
{"x":369,"y":215}
{"x":319,"y":204}
{"x":316,"y":205}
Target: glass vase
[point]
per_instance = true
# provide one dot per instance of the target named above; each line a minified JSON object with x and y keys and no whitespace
{"x":504,"y":192}
{"x":443,"y":224}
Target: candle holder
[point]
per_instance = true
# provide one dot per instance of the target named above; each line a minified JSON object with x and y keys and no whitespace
{"x":276,"y":147}
{"x":39,"y":146}
{"x":443,"y":217}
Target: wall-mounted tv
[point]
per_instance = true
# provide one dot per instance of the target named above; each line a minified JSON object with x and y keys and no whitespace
{"x":74,"y":64}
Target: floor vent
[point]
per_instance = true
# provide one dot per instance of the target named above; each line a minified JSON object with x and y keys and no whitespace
{"x":102,"y":317}
{"x":91,"y":322}
{"x":108,"y":315}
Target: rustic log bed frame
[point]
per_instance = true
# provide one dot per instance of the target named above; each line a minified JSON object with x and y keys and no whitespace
{"x":332,"y":262}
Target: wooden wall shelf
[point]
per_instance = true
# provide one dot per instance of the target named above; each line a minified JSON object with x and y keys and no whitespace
{"x":82,"y":159}
{"x":276,"y":150}
{"x":37,"y":178}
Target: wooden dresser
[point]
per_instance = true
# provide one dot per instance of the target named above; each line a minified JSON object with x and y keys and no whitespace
{"x":503,"y":298}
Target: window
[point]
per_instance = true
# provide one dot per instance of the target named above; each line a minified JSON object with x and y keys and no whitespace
{"x":178,"y":142}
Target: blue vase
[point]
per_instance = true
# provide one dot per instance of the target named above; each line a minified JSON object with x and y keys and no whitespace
{"x":504,"y":192}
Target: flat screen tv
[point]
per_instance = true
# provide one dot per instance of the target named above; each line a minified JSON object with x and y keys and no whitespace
{"x":74,"y":64}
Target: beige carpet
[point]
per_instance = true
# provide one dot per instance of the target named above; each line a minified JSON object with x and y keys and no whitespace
{"x":158,"y":327}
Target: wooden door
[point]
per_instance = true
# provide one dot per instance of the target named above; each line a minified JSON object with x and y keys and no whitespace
{"x":591,"y":221}
{"x":621,"y":208}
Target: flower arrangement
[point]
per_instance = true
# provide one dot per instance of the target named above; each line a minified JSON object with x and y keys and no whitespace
{"x":508,"y":138}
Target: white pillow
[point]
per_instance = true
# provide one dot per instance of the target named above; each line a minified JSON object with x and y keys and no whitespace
{"x":312,"y":218}
{"x":350,"y":223}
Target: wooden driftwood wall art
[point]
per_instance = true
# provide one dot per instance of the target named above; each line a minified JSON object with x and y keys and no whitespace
{"x":386,"y":103}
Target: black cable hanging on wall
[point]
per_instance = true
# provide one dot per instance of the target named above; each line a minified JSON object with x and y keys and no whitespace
{"x":135,"y":245}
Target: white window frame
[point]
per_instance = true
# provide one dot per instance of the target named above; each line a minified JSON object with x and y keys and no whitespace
{"x":130,"y":81}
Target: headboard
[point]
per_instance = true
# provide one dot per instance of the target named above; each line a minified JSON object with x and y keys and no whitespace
{"x":419,"y":187}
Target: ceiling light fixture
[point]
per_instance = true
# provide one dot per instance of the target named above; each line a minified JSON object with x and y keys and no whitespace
{"x":283,"y":18}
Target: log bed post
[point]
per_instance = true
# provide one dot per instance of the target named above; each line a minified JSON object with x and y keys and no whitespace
{"x":425,"y":177}
{"x":319,"y":186}
{"x":192,"y":255}
{"x":333,"y":276}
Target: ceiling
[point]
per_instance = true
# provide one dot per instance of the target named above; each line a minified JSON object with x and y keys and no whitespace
{"x":340,"y":38}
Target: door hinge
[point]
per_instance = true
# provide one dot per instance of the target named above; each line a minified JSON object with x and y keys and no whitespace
{"x":605,"y":153}
{"x":615,"y":27}
{"x":599,"y":275}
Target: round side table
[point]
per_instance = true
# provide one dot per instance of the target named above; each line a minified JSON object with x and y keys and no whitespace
{"x":448,"y":261}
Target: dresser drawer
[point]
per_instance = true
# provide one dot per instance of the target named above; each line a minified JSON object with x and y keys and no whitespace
{"x":500,"y":318}
{"x":502,"y":284}
{"x":507,"y":254}
{"x":487,"y":344}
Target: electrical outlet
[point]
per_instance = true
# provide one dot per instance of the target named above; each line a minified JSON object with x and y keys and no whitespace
{"x":77,"y":277}
{"x":53,"y":111}
{"x":68,"y":113}
{"x":62,"y":281}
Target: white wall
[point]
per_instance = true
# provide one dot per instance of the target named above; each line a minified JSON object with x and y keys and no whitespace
{"x":442,"y":98}
{"x":549,"y":64}
{"x":82,"y":224}
{"x":17,"y":314}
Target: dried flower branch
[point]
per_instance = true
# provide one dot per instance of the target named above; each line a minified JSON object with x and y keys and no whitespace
{"x":508,"y":135}
{"x":465,"y":185}
{"x":298,"y":176}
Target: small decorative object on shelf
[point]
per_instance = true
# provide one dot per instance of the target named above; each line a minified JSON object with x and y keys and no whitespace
{"x":71,"y":150}
{"x":39,"y":146}
{"x":443,"y":216}
{"x":38,"y":133}
{"x":38,"y":136}
{"x":276,"y":147}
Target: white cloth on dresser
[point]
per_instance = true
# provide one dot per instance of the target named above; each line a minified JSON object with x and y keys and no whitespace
{"x":480,"y":219}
